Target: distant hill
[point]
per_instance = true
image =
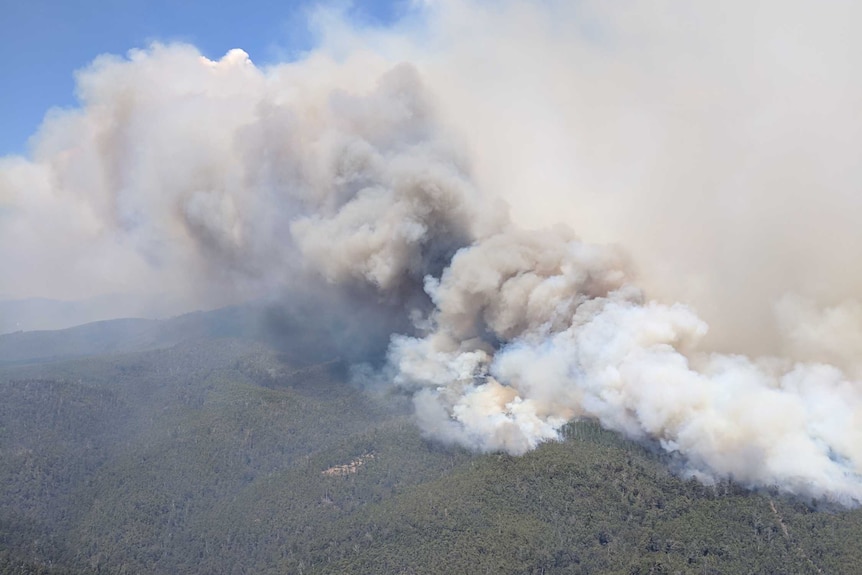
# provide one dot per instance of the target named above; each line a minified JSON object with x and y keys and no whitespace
{"x":297,"y":325}
{"x":33,"y":314}
{"x":231,"y":442}
{"x":128,"y":335}
{"x":317,"y":321}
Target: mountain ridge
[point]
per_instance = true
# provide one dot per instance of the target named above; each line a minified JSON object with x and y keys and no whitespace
{"x":209,"y":455}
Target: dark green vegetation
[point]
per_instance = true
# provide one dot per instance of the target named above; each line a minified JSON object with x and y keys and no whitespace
{"x":193,"y":446}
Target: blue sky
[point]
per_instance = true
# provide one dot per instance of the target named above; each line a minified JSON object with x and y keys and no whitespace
{"x":42,"y":42}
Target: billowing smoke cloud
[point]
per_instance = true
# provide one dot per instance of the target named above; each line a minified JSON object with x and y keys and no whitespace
{"x":213,"y":178}
{"x":718,"y":144}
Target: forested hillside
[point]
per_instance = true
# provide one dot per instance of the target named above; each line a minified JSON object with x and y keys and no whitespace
{"x":212,"y":450}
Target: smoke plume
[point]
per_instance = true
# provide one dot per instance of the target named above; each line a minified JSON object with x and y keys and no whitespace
{"x":718,"y":145}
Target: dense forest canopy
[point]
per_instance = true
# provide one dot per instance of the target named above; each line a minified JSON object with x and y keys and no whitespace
{"x":215,"y":450}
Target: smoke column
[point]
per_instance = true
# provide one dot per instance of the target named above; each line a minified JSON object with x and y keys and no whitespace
{"x":718,"y":145}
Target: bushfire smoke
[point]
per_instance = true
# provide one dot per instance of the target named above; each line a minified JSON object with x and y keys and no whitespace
{"x":718,"y":145}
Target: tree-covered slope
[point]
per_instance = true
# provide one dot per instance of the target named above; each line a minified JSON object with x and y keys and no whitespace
{"x":231,"y":455}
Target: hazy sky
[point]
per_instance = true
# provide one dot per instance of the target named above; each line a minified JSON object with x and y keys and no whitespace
{"x":42,"y":42}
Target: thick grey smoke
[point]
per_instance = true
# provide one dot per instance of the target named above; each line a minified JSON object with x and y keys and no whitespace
{"x":218,"y":179}
{"x":682,"y":133}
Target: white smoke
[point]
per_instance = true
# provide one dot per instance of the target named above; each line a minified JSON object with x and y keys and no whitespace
{"x":213,"y":178}
{"x":573,"y":339}
{"x":718,"y":144}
